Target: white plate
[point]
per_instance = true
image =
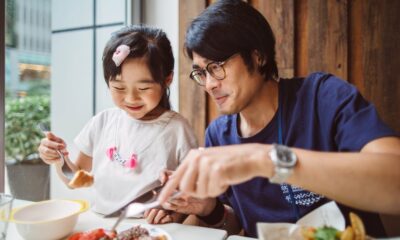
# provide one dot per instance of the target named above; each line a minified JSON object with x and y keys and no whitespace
{"x":153,"y":231}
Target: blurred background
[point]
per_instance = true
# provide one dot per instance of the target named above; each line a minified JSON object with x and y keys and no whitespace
{"x":53,"y":74}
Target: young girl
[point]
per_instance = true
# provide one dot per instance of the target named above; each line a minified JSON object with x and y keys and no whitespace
{"x":126,"y":148}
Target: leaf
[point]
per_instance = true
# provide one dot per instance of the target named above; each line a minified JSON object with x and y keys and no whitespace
{"x":326,"y":233}
{"x":22,"y":115}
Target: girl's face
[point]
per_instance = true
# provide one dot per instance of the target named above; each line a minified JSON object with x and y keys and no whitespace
{"x":135,"y":91}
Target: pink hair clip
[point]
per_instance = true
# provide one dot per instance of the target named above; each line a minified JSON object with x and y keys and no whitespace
{"x":120,"y":54}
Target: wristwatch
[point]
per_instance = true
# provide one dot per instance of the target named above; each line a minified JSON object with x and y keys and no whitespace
{"x":284,"y":160}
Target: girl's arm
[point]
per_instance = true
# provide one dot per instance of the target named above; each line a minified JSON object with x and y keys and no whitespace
{"x":228,"y":222}
{"x":83,"y":162}
{"x":81,"y":178}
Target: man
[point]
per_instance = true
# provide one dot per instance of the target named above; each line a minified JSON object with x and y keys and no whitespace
{"x":330,"y":141}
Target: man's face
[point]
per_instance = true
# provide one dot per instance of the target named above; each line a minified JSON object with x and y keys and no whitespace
{"x":237,"y":90}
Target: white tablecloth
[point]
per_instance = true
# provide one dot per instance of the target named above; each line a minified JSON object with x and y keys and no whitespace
{"x":89,"y":220}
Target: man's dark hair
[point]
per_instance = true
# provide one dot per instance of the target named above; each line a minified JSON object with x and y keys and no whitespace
{"x":144,"y":42}
{"x":233,"y":26}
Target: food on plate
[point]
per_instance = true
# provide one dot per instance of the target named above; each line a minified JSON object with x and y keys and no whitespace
{"x":133,"y":233}
{"x":138,"y":233}
{"x":354,"y":232}
{"x":96,"y":234}
{"x":81,"y":179}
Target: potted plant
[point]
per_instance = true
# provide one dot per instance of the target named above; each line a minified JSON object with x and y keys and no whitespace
{"x":28,"y":176}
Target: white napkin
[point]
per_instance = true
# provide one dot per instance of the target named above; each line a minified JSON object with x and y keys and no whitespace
{"x":326,"y":215}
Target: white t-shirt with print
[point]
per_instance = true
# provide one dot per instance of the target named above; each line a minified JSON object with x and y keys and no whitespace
{"x":159,"y":144}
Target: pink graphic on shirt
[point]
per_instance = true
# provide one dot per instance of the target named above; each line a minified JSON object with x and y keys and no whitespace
{"x":110,"y":152}
{"x":132,"y":163}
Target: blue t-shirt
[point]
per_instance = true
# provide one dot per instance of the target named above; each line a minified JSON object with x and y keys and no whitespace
{"x":320,"y":112}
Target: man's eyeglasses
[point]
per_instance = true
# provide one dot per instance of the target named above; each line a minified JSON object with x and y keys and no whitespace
{"x":215,"y":69}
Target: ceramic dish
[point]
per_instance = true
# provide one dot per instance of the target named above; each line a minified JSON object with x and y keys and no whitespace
{"x":48,"y":220}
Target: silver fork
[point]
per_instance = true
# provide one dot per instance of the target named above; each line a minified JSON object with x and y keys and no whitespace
{"x":136,"y":208}
{"x":59,"y":166}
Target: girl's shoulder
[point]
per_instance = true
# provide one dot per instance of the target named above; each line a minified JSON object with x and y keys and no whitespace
{"x":107,"y":115}
{"x":176,"y":119}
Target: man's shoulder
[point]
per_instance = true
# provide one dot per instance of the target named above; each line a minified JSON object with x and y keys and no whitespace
{"x":326,"y":81}
{"x":320,"y":84}
{"x":222,"y":121}
{"x":220,"y":131}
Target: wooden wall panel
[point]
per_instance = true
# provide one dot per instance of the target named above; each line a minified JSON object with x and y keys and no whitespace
{"x":327,"y":37}
{"x":355,"y":46}
{"x":280,"y":15}
{"x":301,"y":38}
{"x":192,"y":99}
{"x":380,"y":41}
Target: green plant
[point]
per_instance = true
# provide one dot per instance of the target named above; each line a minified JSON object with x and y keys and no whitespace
{"x":22,"y":136}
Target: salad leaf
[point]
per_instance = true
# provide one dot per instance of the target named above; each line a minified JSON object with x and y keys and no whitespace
{"x":326,"y":233}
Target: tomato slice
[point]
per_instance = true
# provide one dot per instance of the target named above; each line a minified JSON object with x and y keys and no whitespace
{"x":76,"y":236}
{"x":95,"y":234}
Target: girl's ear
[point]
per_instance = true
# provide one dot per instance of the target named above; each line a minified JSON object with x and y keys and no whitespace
{"x":168,"y":79}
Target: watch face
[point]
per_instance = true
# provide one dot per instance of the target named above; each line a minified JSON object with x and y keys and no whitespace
{"x":286,"y":158}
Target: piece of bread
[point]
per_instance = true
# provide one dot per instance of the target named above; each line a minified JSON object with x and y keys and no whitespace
{"x":358,"y":227}
{"x":81,"y":179}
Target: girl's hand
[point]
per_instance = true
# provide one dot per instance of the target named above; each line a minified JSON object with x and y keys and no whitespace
{"x":165,"y":175}
{"x":49,"y":145}
{"x":161,"y":216}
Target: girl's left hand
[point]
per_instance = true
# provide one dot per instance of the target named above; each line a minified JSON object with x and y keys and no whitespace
{"x":161,"y":216}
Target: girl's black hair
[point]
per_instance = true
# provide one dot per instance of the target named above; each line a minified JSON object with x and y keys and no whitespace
{"x":233,"y":26}
{"x":145,"y":42}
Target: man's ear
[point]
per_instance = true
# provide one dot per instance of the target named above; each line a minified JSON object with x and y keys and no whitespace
{"x":168,"y":79}
{"x":259,"y":59}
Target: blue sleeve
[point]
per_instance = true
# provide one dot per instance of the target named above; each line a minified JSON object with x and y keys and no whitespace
{"x":355,"y":121}
{"x":210,"y":139}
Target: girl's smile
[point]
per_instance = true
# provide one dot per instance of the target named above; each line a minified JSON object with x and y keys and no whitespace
{"x":135,"y":91}
{"x":135,"y":108}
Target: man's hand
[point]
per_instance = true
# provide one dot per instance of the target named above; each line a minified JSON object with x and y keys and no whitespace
{"x":209,"y":172}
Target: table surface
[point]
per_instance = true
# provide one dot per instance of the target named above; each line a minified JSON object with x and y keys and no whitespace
{"x":236,"y":237}
{"x":90,"y":220}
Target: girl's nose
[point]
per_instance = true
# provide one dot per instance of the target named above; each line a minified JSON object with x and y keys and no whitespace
{"x":132,"y":97}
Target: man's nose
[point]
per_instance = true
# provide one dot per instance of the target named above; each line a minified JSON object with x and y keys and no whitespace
{"x":211,"y":82}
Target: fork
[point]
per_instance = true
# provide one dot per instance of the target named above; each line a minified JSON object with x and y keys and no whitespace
{"x":134,"y":209}
{"x":59,"y":166}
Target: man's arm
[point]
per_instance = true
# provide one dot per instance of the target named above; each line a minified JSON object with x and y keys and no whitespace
{"x":368,"y":180}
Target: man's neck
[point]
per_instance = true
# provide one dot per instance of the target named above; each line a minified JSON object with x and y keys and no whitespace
{"x":261,"y":111}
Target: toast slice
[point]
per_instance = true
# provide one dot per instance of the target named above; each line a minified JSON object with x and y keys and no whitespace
{"x":81,"y":179}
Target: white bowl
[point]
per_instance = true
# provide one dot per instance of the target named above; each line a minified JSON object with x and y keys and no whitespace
{"x":48,"y":220}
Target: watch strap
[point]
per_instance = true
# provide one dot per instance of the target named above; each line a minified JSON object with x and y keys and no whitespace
{"x":281,"y":174}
